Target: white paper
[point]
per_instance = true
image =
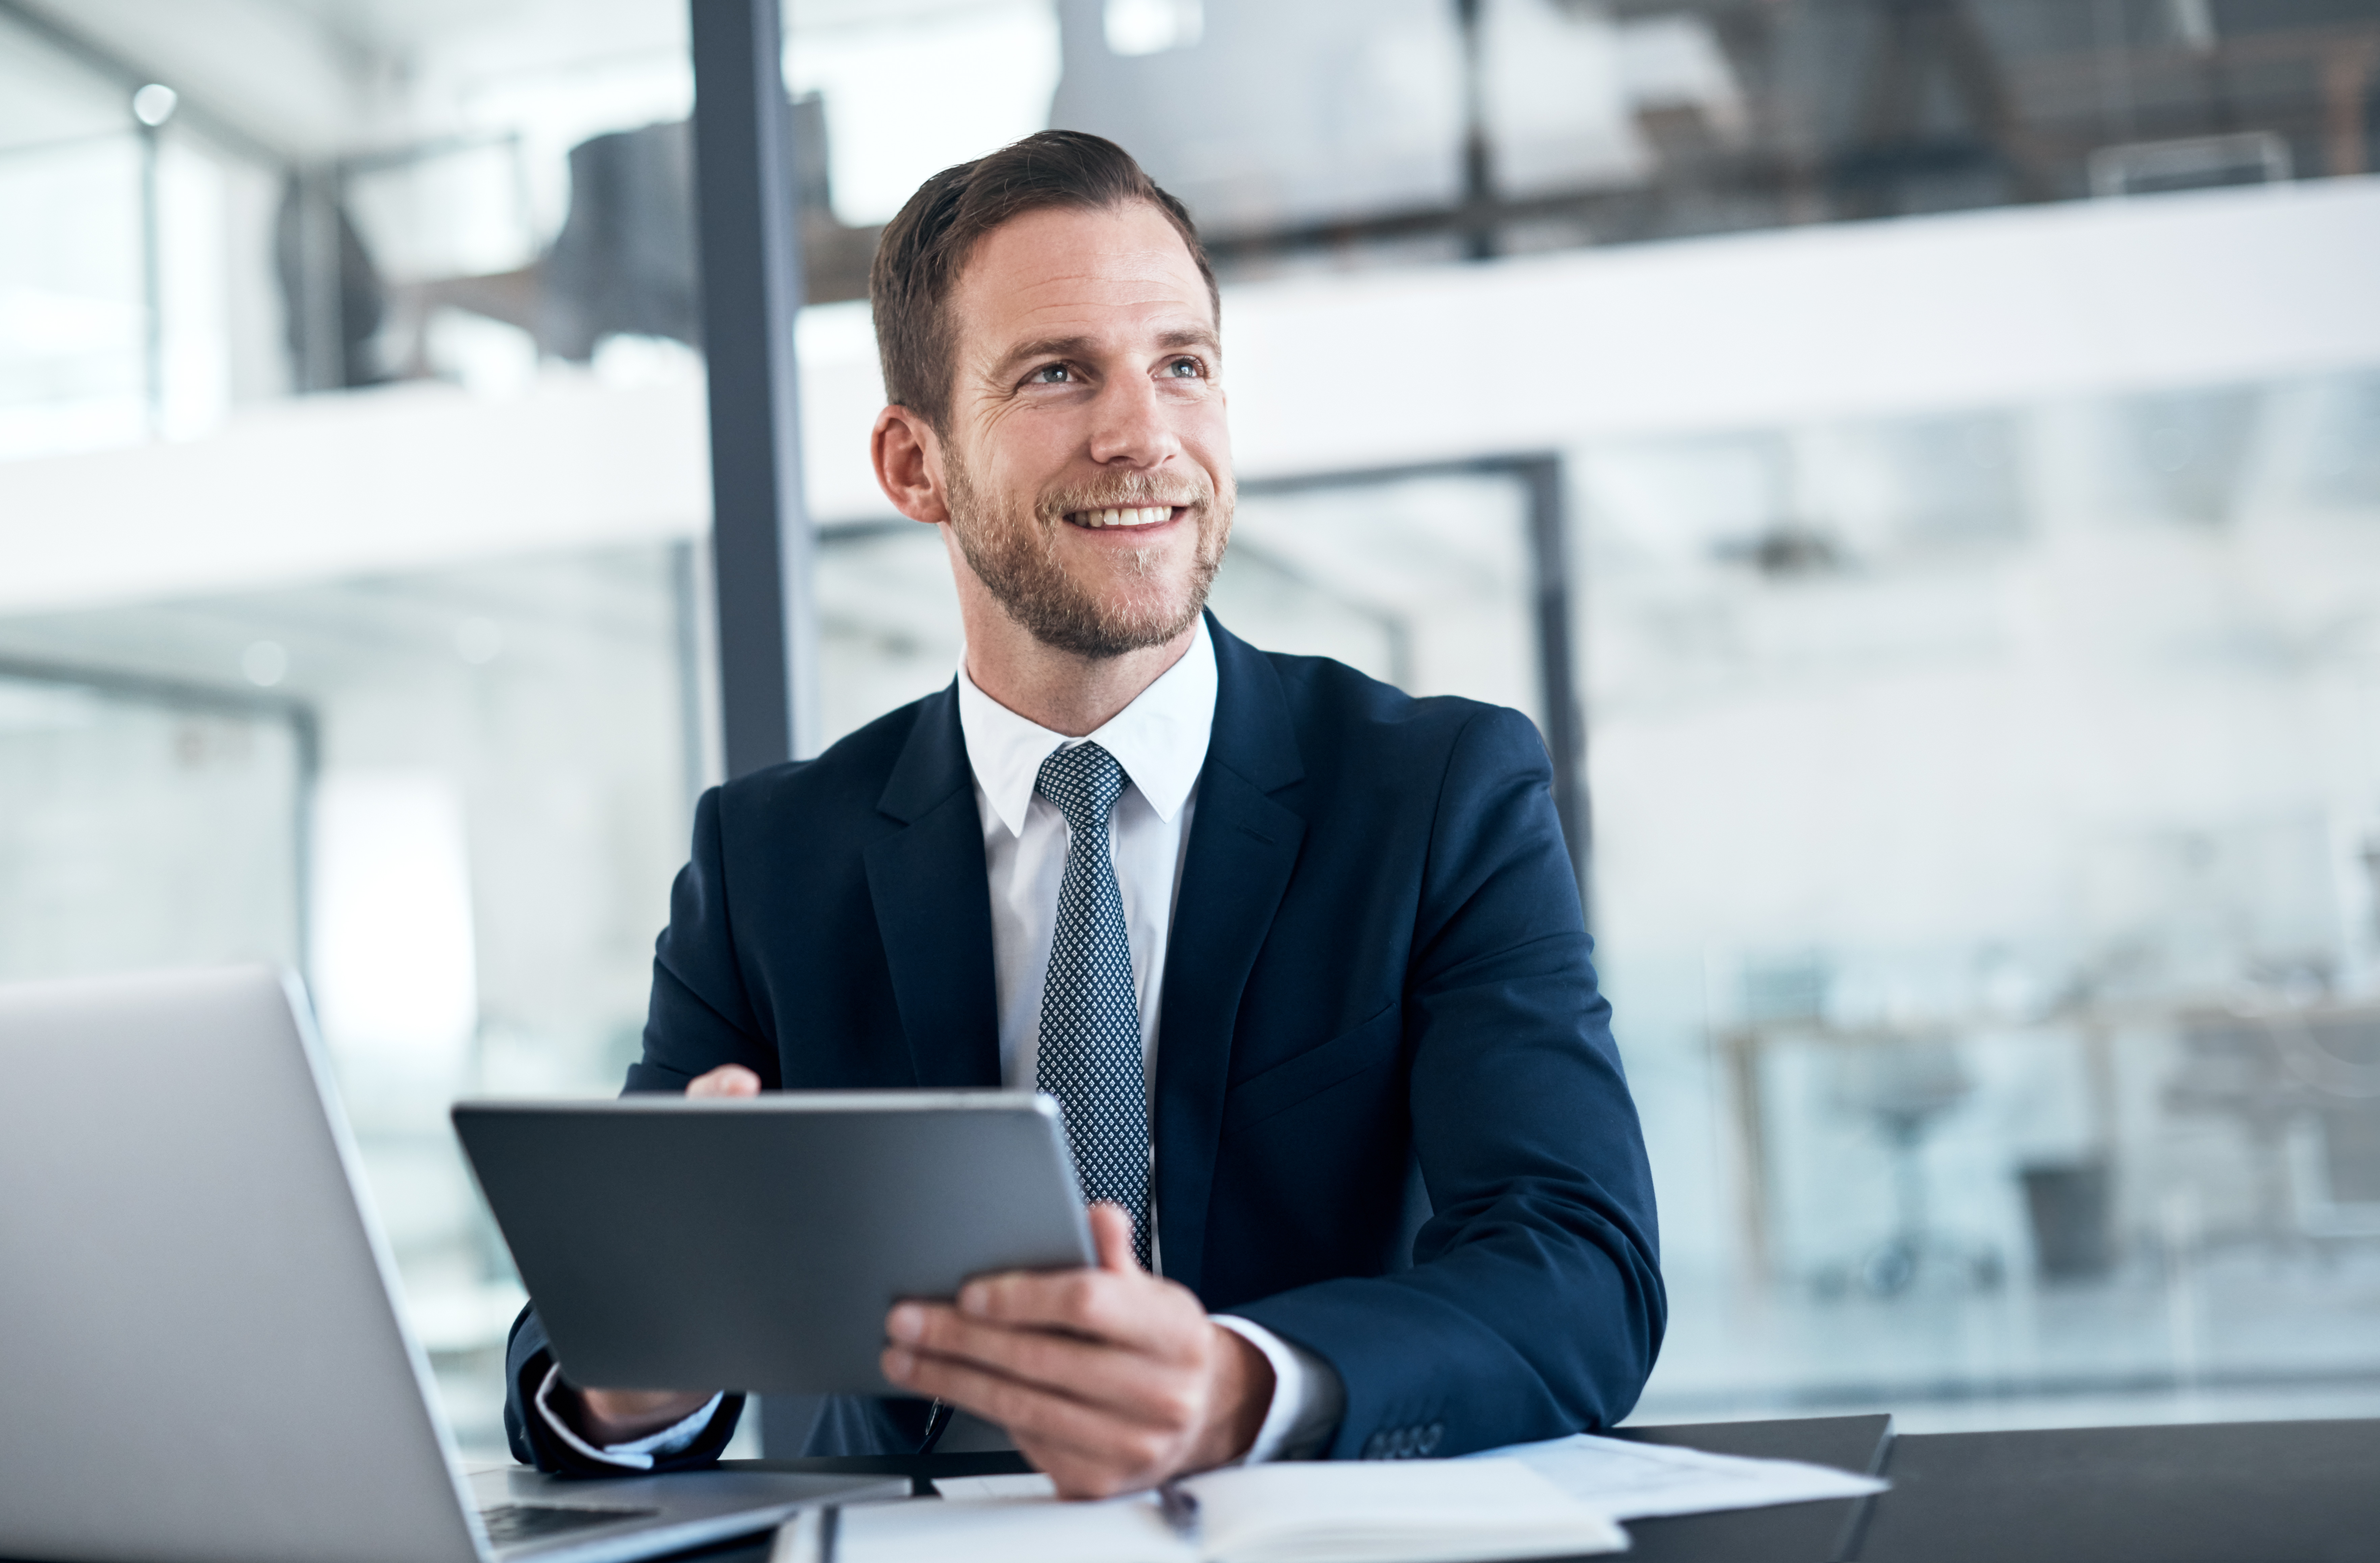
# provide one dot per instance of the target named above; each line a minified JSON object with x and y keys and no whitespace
{"x":1349,"y":1511}
{"x":991,"y":1531}
{"x":1023,"y":1484}
{"x":1632,"y":1481}
{"x":1444,"y":1511}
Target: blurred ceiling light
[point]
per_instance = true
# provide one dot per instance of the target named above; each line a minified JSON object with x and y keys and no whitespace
{"x":153,"y":104}
{"x":1151,"y":27}
{"x":265,"y":663}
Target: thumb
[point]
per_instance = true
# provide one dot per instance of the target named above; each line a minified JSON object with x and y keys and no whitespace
{"x":727,"y":1080}
{"x":1112,"y":1234}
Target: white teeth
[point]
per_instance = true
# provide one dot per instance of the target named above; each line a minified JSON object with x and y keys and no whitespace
{"x":1136,"y":515}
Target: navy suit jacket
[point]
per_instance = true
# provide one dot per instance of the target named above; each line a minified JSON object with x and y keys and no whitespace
{"x":1377,"y":974}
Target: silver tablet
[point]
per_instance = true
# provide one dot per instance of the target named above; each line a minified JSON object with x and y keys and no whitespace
{"x":754,"y":1243}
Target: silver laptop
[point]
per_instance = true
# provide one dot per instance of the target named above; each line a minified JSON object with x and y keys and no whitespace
{"x":202,"y":1352}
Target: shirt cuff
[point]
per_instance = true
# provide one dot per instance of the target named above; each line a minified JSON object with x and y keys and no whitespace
{"x":638,"y":1454}
{"x":1307,"y":1397}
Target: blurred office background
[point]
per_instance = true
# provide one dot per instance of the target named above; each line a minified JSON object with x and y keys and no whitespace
{"x":1918,"y":461}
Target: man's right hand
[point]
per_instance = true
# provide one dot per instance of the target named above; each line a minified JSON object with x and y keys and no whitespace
{"x":621,"y":1417}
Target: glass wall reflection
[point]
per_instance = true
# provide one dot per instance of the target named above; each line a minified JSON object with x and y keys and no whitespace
{"x":1986,"y":816}
{"x":454,"y":800}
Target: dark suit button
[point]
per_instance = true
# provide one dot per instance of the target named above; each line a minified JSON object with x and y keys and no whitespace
{"x":1430,"y":1436}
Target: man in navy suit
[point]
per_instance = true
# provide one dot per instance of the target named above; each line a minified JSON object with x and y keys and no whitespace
{"x":1302,"y":957}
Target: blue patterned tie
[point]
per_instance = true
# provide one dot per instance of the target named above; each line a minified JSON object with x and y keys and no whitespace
{"x":1089,"y":1055}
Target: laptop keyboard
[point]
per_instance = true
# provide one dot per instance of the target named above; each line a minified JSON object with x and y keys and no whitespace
{"x":510,"y":1524}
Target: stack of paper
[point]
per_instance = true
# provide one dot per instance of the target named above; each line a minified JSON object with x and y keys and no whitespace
{"x":1440,"y":1511}
{"x":1559,"y":1498}
{"x":1632,"y":1481}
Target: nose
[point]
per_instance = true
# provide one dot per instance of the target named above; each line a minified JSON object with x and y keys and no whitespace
{"x":1130,"y":425}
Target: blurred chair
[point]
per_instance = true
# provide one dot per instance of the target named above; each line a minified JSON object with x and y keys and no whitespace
{"x":2303,"y":1085}
{"x":1905,"y":1086}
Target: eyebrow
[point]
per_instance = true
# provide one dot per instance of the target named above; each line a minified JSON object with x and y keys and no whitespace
{"x":1082,"y":346}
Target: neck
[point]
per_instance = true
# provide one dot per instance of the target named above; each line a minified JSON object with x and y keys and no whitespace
{"x":1060,"y":690}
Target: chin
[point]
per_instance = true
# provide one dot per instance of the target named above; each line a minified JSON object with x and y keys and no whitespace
{"x":1114,"y":626}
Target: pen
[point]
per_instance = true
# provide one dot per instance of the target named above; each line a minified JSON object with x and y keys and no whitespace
{"x":1180,"y":1506}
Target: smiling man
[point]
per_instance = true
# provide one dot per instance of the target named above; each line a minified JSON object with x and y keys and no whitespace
{"x":1301,"y":957}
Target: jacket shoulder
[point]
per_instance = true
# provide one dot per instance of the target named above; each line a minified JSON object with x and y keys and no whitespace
{"x":1337,"y":708}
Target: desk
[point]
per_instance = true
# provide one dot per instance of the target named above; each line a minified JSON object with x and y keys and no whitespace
{"x":2275,"y":1492}
{"x":1796,"y":1532}
{"x":2270,"y":1492}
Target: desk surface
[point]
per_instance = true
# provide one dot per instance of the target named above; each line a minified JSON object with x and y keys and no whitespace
{"x":2270,"y":1492}
{"x":2275,"y":1492}
{"x":1796,"y":1533}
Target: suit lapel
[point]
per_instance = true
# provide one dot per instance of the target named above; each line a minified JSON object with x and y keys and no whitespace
{"x":1242,"y":847}
{"x":933,"y":905}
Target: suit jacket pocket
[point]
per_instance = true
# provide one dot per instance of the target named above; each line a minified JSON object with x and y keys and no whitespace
{"x":1294,"y":1079}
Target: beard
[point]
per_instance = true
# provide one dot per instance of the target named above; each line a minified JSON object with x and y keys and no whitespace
{"x":1012,"y":550}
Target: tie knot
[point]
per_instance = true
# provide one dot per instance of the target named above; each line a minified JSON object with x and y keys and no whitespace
{"x":1083,"y":782}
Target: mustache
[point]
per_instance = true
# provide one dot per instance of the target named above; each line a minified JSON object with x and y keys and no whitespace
{"x":1061,"y":503}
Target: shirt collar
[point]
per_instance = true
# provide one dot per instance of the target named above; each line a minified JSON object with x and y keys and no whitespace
{"x":1160,"y":739}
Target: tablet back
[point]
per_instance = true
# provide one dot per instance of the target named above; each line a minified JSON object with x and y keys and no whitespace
{"x":754,"y":1243}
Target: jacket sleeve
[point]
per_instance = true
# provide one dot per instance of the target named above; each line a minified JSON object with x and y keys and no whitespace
{"x":1535,"y":1305}
{"x":527,"y":1359}
{"x":701,"y":1015}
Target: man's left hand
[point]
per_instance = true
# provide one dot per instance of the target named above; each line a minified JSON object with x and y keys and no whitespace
{"x":1109,"y":1380}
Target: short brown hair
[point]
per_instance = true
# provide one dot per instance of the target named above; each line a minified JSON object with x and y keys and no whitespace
{"x":925,"y":249}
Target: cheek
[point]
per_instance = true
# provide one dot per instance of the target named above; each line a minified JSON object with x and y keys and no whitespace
{"x":1031,"y":454}
{"x":1205,"y":431}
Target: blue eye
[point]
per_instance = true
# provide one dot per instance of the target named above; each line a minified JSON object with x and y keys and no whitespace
{"x":1186,"y":368}
{"x":1051,"y":374}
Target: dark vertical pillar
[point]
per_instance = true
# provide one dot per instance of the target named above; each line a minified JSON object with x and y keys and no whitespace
{"x":750,"y":236}
{"x":312,"y":279}
{"x":1557,"y":663}
{"x":1479,"y":235}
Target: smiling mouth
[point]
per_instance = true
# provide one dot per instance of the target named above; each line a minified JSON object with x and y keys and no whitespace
{"x":1121,"y":515}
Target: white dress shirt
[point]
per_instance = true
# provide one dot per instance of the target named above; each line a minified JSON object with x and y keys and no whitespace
{"x":1160,"y":742}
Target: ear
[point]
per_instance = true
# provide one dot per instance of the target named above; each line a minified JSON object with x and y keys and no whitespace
{"x":907,"y":455}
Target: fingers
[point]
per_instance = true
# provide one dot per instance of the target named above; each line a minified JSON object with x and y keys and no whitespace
{"x":1139,"y":1388}
{"x":1111,"y":1235}
{"x":1136,"y":1311}
{"x":1087,"y":1451}
{"x":727,"y":1080}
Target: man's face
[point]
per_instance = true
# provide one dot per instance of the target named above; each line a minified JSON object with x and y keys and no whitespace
{"x":1088,"y":471}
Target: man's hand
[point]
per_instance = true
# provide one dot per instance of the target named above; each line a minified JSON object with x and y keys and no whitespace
{"x":621,"y":1416}
{"x":1109,"y":1380}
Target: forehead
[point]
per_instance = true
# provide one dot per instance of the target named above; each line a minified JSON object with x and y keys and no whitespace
{"x":1060,"y":272}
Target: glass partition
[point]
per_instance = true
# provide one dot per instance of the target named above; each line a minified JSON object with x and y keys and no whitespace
{"x":1985,"y":818}
{"x":454,"y":799}
{"x":148,"y":822}
{"x":438,"y":755}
